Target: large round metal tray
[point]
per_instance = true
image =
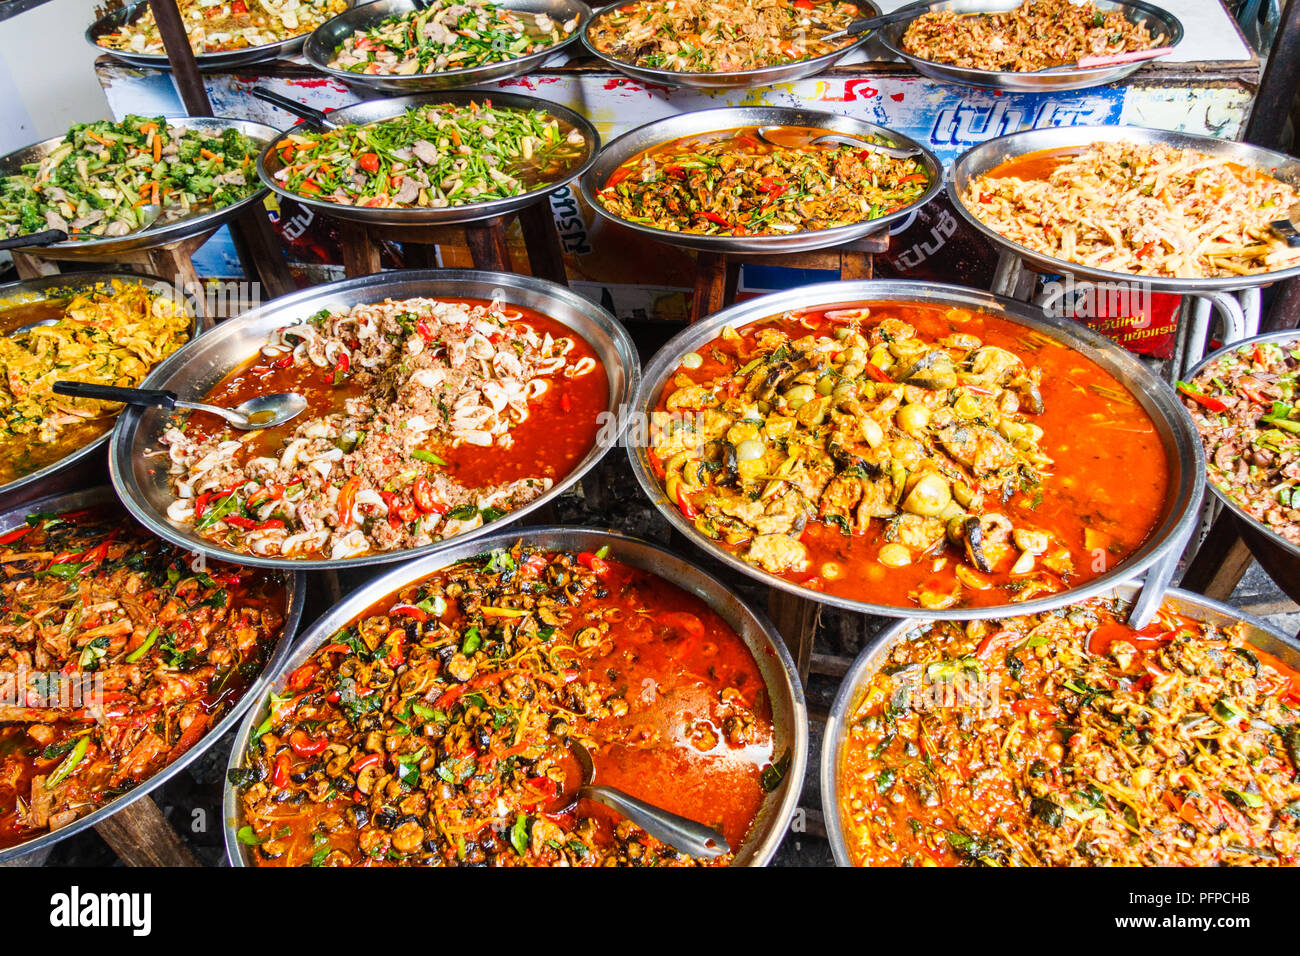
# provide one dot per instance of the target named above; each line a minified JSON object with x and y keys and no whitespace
{"x":160,"y":233}
{"x":699,"y":122}
{"x":789,"y":712}
{"x":874,"y":655}
{"x":739,"y":79}
{"x":1181,"y":445}
{"x":320,"y":47}
{"x":223,"y":59}
{"x":374,"y":111}
{"x":61,"y":287}
{"x":980,"y":159}
{"x":295,"y":588}
{"x":140,"y":476}
{"x":1156,"y":19}
{"x":1262,"y":536}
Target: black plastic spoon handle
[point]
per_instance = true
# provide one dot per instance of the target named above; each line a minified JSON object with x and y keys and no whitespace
{"x":149,"y":397}
{"x":308,"y":113}
{"x":45,"y":238}
{"x":885,"y":19}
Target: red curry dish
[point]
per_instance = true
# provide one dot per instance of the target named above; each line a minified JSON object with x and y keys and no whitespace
{"x":121,"y":656}
{"x":427,"y":418}
{"x":1070,"y":739}
{"x":433,"y":730}
{"x":907,"y":455}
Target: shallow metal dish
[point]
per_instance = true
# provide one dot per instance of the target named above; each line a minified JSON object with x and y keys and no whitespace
{"x":160,"y":233}
{"x":739,"y":79}
{"x":665,"y":130}
{"x":113,"y":20}
{"x":980,"y":159}
{"x":61,"y":287}
{"x":1157,"y":20}
{"x":789,"y":712}
{"x":1181,"y":445}
{"x":874,"y":655}
{"x":140,"y":477}
{"x":374,"y":111}
{"x":295,"y":589}
{"x":1272,"y":550}
{"x":320,"y":47}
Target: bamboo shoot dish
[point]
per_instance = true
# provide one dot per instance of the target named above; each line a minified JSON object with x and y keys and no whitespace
{"x":101,"y":178}
{"x":736,"y":183}
{"x":1034,"y":35}
{"x":448,"y":35}
{"x":721,"y":36}
{"x":426,"y":418}
{"x":113,"y":334}
{"x":119,"y":656}
{"x":909,"y":455}
{"x":214,"y":26}
{"x":432,"y":156}
{"x":1070,"y":739}
{"x":435,"y":729}
{"x":1142,"y":209}
{"x":1246,"y":407}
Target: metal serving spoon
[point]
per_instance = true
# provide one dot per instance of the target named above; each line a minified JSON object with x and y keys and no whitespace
{"x":149,"y":214}
{"x":680,"y":833}
{"x":843,"y":139}
{"x":264,"y":411}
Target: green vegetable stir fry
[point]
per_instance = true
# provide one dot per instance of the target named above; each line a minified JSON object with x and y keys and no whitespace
{"x":432,"y":156}
{"x":448,"y":35}
{"x":102,"y":178}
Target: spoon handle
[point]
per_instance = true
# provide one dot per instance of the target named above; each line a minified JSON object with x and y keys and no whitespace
{"x":156,"y":398}
{"x":44,"y":238}
{"x":681,"y":833}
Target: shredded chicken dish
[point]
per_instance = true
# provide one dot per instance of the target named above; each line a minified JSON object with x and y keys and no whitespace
{"x":214,"y":26}
{"x":720,"y":36}
{"x":1032,"y":36}
{"x":1142,"y":209}
{"x":1069,"y":739}
{"x":401,"y":393}
{"x":1247,"y":409}
{"x":120,"y":656}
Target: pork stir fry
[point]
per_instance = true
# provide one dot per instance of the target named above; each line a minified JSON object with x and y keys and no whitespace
{"x":721,"y":36}
{"x":448,"y":35}
{"x":406,"y":385}
{"x":122,"y":656}
{"x":1144,"y":209}
{"x":436,"y":731}
{"x":1032,"y":36}
{"x":1247,"y":409}
{"x":1069,"y":739}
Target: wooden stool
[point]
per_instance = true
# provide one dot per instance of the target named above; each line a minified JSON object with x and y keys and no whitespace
{"x":486,"y":240}
{"x":716,"y":282}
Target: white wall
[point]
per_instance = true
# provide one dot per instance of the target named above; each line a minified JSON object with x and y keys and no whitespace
{"x":47,"y":75}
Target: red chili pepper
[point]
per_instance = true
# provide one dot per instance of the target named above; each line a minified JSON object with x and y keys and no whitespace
{"x":986,"y":197}
{"x":282,"y":363}
{"x":913,"y":178}
{"x":239,"y":8}
{"x":804,"y":5}
{"x":656,"y":465}
{"x":335,"y":648}
{"x":305,"y":746}
{"x":618,"y":176}
{"x":369,"y":760}
{"x":369,"y":162}
{"x":675,"y":171}
{"x":348,"y":498}
{"x":423,"y":330}
{"x":566,"y":404}
{"x":1208,"y":402}
{"x":301,"y":678}
{"x":683,"y":621}
{"x":772,"y":186}
{"x":1146,"y":249}
{"x":239,"y":521}
{"x":63,"y":557}
{"x":15,"y":535}
{"x":598,"y":565}
{"x":715,"y":218}
{"x":280,"y":775}
{"x":991,"y":642}
{"x":545,"y":786}
{"x":425,"y":500}
{"x":684,"y":504}
{"x":876,"y":373}
{"x":1034,"y":705}
{"x":408,"y":610}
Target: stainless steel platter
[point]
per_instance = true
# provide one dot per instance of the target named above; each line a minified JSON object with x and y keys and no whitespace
{"x":1286,"y":550}
{"x":980,"y":159}
{"x":224,"y":59}
{"x":1181,"y":445}
{"x":139,"y":475}
{"x":375,"y":111}
{"x":61,"y":287}
{"x":320,"y":46}
{"x":739,"y":79}
{"x":876,"y":654}
{"x":160,"y":233}
{"x":1157,"y":20}
{"x":665,"y":130}
{"x":789,"y":712}
{"x":295,"y":588}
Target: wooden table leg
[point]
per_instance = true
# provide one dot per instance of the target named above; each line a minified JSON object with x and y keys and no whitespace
{"x":796,"y":620}
{"x":141,"y":836}
{"x":487,"y":245}
{"x":856,"y":265}
{"x":360,"y":254}
{"x":545,"y":255}
{"x":1220,"y":563}
{"x":710,"y":284}
{"x":33,"y":267}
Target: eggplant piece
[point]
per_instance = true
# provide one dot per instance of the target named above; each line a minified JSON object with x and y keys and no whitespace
{"x":933,"y":370}
{"x":974,"y":536}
